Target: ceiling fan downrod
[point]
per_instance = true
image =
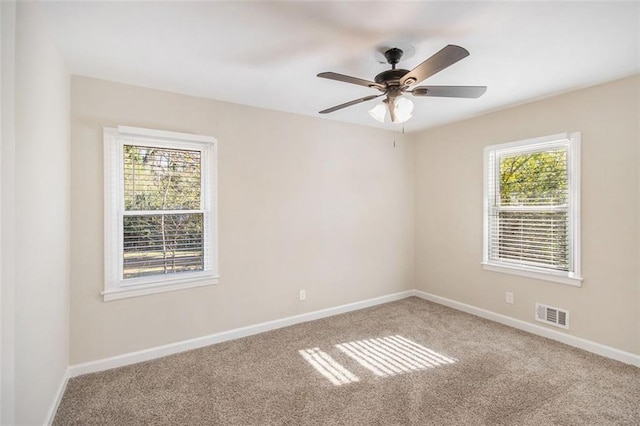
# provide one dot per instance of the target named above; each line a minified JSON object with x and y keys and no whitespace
{"x":393,"y":56}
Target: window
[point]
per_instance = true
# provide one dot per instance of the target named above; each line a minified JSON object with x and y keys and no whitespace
{"x":532,"y":208}
{"x":160,"y":211}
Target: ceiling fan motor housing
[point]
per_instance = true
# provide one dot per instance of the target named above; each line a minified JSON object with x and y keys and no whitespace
{"x":389,"y":77}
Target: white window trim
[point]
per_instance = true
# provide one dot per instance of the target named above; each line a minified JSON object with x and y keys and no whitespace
{"x":114,"y":286}
{"x":573,"y":277}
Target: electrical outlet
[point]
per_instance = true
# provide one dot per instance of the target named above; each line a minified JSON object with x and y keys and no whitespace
{"x":509,"y":297}
{"x":303,"y":294}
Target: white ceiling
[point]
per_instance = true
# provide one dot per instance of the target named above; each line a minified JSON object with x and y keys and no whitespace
{"x":267,"y":54}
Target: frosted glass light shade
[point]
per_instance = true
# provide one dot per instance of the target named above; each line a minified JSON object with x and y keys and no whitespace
{"x":404,"y":108}
{"x":378,"y":112}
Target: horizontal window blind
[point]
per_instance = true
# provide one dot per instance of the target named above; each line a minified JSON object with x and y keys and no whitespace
{"x":161,"y":178}
{"x":162,"y":244}
{"x":529,"y":214}
{"x":163,"y":220}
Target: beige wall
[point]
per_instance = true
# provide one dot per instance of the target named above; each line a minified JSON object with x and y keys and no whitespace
{"x":328,"y":207}
{"x":35,"y":221}
{"x":304,"y":203}
{"x":449,"y":184}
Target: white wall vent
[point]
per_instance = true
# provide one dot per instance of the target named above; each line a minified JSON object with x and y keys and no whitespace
{"x":552,"y":316}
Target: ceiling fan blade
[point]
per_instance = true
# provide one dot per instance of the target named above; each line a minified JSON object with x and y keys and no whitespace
{"x":352,"y":80}
{"x":449,"y":91}
{"x":348,"y":104}
{"x":446,"y":57}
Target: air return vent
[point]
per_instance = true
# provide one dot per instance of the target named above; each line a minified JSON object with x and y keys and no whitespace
{"x":552,"y":316}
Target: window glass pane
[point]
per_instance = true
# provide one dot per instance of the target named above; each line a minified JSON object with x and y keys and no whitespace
{"x":161,"y":178}
{"x":163,"y":244}
{"x":534,"y":178}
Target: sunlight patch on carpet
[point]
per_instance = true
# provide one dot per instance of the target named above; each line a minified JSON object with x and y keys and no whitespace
{"x":328,"y":367}
{"x":392,"y":355}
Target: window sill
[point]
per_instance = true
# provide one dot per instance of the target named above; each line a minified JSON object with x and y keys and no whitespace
{"x":126,"y":292}
{"x":534,"y":273}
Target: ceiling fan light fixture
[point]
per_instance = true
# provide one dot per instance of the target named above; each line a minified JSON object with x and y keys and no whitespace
{"x":379,"y":112}
{"x":403,"y":109}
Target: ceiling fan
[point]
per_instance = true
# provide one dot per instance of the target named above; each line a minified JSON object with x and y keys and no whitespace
{"x":394,"y":83}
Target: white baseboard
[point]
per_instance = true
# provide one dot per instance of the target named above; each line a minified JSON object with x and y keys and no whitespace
{"x":56,"y":402}
{"x":186,"y":345}
{"x":587,"y":345}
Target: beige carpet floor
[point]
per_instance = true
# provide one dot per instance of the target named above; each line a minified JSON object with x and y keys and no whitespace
{"x":406,"y":362}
